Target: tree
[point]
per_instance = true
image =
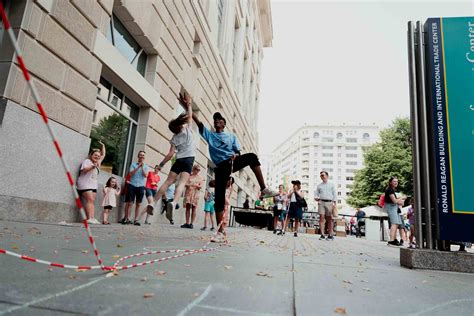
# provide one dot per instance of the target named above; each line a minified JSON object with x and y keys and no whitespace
{"x":392,"y":156}
{"x":113,"y":131}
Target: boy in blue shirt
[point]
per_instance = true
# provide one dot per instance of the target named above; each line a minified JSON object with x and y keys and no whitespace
{"x":224,"y":149}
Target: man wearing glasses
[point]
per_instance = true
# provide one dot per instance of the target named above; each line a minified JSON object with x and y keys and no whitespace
{"x":325,"y":195}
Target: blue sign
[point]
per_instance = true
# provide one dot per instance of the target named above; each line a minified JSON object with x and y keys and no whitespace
{"x":450,"y":66}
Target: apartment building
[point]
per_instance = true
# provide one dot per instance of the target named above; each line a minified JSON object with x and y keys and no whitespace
{"x":311,"y":149}
{"x":112,"y":70}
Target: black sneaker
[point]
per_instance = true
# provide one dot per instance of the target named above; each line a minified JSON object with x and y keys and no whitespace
{"x":185,"y":225}
{"x":123,"y":221}
{"x":274,"y":231}
{"x":128,"y":222}
{"x":280,"y":233}
{"x":330,"y":238}
{"x":394,"y":243}
{"x":204,"y":228}
{"x":171,"y":222}
{"x":147,"y":223}
{"x":212,"y":228}
{"x":401,"y":242}
{"x":295,"y":234}
{"x":190,"y":226}
{"x":136,"y":223}
{"x":322,"y":237}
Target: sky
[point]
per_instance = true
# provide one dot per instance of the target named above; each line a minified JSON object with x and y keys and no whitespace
{"x":335,"y":62}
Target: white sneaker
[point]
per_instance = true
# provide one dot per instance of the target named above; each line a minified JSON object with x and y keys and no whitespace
{"x":266,"y":193}
{"x":93,"y":221}
{"x":219,"y":238}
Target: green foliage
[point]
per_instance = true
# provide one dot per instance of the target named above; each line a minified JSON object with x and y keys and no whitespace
{"x":113,"y":131}
{"x":392,"y":156}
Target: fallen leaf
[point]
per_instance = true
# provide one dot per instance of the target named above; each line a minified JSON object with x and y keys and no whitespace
{"x":159,"y":272}
{"x":196,"y":294}
{"x":366,"y":289}
{"x":144,"y":279}
{"x":115,"y":256}
{"x":50,"y":269}
{"x":81,"y":270}
{"x":119,"y":246}
{"x":15,"y":247}
{"x":85,"y":251}
{"x":109,"y":275}
{"x":424,"y":281}
{"x":72,"y":276}
{"x":340,"y":310}
{"x":347,"y":281}
{"x":262,"y":241}
{"x":228,"y":267}
{"x":187,"y":265}
{"x":148,"y":295}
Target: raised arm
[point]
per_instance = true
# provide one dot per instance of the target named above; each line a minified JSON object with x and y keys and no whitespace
{"x":102,"y":152}
{"x":186,"y":102}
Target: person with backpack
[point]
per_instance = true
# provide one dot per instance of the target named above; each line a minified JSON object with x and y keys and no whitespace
{"x":391,"y":205}
{"x":360,"y":215}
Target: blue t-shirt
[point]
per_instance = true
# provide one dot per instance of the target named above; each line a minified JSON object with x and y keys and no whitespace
{"x":221,"y":145}
{"x":138,"y":179}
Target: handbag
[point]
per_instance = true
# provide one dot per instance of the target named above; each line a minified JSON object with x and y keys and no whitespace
{"x":335,"y":211}
{"x":300,"y":201}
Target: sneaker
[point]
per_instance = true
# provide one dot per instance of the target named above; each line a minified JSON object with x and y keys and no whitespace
{"x":169,"y":210}
{"x":129,"y":222}
{"x":266,"y":193}
{"x":124,"y":221}
{"x":149,"y":209}
{"x":171,"y":222}
{"x":204,"y":228}
{"x":147,"y":223}
{"x":401,"y":242}
{"x":93,"y":221}
{"x":137,"y":223}
{"x":393,"y":243}
{"x":322,"y":237}
{"x":185,"y":225}
{"x":280,"y":233}
{"x":274,"y":231}
{"x":330,"y":238}
{"x":219,"y":238}
{"x":295,"y":234}
{"x":190,"y":226}
{"x":212,"y":228}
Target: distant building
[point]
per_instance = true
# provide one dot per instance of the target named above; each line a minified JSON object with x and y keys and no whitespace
{"x":311,"y":149}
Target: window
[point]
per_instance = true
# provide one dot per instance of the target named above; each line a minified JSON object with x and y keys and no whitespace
{"x":351,"y":170}
{"x":366,"y":137}
{"x":351,"y":163}
{"x":327,"y":147}
{"x":350,"y":178}
{"x":127,"y":45}
{"x":351,"y":140}
{"x":327,"y":154}
{"x":315,"y":135}
{"x":115,"y":121}
{"x":339,"y":135}
{"x":351,"y":147}
{"x":351,"y":155}
{"x":339,"y":194}
{"x":328,"y":139}
{"x":327,"y":162}
{"x":338,"y":201}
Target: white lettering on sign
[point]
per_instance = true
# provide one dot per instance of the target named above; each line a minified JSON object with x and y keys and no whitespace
{"x":470,"y":53}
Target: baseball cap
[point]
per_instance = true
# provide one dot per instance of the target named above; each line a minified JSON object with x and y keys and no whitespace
{"x":297,"y":182}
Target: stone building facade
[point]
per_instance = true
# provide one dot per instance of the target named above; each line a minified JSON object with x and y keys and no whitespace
{"x":112,"y":70}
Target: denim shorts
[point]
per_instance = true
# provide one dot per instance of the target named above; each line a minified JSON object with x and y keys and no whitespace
{"x":392,"y":211}
{"x":150,"y":192}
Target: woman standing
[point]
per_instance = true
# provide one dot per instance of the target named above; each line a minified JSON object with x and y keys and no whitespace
{"x":392,"y":203}
{"x":191,"y":196}
{"x":295,"y":211}
{"x":279,"y":202}
{"x":87,"y":181}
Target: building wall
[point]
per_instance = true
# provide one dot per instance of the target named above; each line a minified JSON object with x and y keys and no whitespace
{"x":311,"y":149}
{"x":67,"y":48}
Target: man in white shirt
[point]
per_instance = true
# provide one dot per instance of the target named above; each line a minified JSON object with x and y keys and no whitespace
{"x":325,"y":195}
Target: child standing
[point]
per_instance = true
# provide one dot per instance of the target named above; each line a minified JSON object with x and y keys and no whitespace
{"x":182,"y":143}
{"x":209,"y":206}
{"x":411,"y":221}
{"x":111,"y":191}
{"x":222,"y":234}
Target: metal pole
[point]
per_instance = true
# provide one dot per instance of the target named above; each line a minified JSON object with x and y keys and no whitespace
{"x":424,"y":134}
{"x":414,"y":117}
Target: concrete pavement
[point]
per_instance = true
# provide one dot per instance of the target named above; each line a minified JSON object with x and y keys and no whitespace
{"x":258,"y":274}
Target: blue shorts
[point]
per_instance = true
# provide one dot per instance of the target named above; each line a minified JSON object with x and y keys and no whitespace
{"x":393,"y":215}
{"x":134,"y":193}
{"x":295,"y":211}
{"x":150,"y":192}
{"x":209,"y":207}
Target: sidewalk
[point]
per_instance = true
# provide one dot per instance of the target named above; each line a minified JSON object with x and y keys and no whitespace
{"x":258,"y":274}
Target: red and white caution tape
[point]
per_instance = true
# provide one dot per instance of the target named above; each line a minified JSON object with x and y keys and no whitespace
{"x":116,"y":266}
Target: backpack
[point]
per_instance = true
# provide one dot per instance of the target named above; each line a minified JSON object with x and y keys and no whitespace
{"x":381,"y":201}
